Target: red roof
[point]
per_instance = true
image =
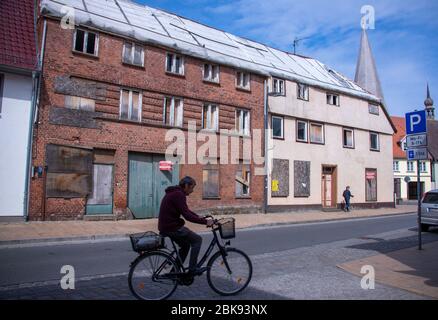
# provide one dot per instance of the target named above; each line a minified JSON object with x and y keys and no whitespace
{"x":17,"y":34}
{"x":400,"y":125}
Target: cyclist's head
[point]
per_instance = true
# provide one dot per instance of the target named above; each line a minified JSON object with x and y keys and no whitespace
{"x":187,"y":184}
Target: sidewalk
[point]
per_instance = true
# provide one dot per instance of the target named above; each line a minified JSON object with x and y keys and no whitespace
{"x":408,"y":269}
{"x":52,"y":231}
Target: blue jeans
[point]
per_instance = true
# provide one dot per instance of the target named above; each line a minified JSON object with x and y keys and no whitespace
{"x":347,"y":204}
{"x":186,"y":240}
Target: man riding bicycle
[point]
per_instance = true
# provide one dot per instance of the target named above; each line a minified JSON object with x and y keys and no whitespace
{"x":170,"y":223}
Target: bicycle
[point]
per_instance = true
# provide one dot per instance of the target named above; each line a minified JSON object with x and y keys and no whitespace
{"x":157,"y":271}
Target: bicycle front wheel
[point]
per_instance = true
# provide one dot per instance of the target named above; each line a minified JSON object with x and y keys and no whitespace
{"x":232,"y":279}
{"x":152,"y":276}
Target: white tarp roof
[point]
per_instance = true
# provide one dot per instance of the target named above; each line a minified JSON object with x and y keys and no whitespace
{"x":154,"y":26}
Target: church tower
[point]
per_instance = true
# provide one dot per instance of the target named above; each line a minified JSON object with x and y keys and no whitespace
{"x":366,"y":71}
{"x":428,"y":103}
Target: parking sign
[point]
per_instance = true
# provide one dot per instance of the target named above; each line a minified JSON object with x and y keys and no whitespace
{"x":416,"y":122}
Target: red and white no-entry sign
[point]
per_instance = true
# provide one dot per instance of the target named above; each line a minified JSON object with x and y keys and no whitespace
{"x":165,"y":165}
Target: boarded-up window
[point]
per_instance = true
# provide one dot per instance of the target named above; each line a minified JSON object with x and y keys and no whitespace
{"x":79,"y":103}
{"x":69,"y":172}
{"x":243,"y":179}
{"x":371,"y":184}
{"x":301,"y":179}
{"x":210,"y":181}
{"x":280,"y":178}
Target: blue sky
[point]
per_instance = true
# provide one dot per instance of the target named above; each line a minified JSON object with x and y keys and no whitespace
{"x":404,"y":41}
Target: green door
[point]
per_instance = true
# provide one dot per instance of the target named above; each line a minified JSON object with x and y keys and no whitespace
{"x":147,"y":184}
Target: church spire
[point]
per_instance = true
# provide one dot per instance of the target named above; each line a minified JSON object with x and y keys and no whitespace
{"x":366,"y":71}
{"x":430,"y":110}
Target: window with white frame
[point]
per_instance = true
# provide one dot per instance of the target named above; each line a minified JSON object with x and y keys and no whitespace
{"x":316,"y":133}
{"x":130,"y":105}
{"x":410,"y":166}
{"x":173,"y":113}
{"x":302,"y":131}
{"x":86,"y":42}
{"x":211,"y":73}
{"x":242,"y":122}
{"x":278,"y":86}
{"x":396,"y":166}
{"x":243,"y":80}
{"x":373,"y":109}
{"x":174,"y":63}
{"x":133,"y":54}
{"x":79,"y":103}
{"x":333,"y":99}
{"x":374,"y":141}
{"x":348,"y":138}
{"x":277,"y":127}
{"x":210,"y":117}
{"x":303,"y":91}
{"x":423,"y":166}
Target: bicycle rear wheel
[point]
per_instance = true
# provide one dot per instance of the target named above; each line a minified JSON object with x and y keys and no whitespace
{"x":153,"y":276}
{"x":224,"y":282}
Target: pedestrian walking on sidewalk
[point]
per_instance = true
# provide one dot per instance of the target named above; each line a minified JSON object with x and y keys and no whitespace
{"x":347,"y":196}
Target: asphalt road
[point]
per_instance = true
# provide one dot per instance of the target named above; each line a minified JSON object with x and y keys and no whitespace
{"x":43,"y":263}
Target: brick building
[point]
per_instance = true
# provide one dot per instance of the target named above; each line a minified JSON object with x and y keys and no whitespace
{"x":108,"y":101}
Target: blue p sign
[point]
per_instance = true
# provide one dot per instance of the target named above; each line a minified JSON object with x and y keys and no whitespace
{"x":416,"y":122}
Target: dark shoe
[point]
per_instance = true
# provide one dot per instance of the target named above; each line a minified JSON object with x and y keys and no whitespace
{"x":198,"y":271}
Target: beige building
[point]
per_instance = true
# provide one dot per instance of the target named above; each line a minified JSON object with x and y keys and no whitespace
{"x":324,"y":138}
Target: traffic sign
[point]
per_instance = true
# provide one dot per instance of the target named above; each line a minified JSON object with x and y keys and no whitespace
{"x":417,"y":154}
{"x":417,"y":140}
{"x":416,"y":122}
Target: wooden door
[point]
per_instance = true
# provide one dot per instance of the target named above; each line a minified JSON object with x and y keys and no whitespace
{"x":101,"y":199}
{"x":328,"y":187}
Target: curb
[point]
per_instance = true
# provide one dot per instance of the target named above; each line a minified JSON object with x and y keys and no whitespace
{"x":114,"y":237}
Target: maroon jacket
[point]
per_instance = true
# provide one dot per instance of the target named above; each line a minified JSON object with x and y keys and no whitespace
{"x":173,"y":205}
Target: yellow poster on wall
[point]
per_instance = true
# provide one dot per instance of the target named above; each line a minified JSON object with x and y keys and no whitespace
{"x":275,"y":185}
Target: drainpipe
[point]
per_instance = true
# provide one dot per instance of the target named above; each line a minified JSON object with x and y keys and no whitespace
{"x":265,"y":115}
{"x":36,"y":90}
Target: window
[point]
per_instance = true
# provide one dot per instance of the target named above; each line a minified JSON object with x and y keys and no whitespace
{"x":423,"y":166}
{"x":332,"y":99}
{"x":210,"y":181}
{"x":348,"y":138}
{"x":173,"y":112}
{"x":79,"y":103}
{"x":373,"y":109}
{"x":210,"y":117}
{"x":302,"y":131}
{"x":277,"y":127}
{"x":371,"y":184}
{"x":374,"y":141}
{"x":86,"y":42}
{"x":133,"y":54}
{"x":278,"y":86}
{"x":243,"y":80}
{"x":130,"y":105}
{"x":316,"y":133}
{"x":243,"y":178}
{"x":396,"y":166}
{"x":174,"y":64}
{"x":303,"y":91}
{"x":242,"y":122}
{"x":410,"y":166}
{"x":211,"y":73}
{"x":2,"y":80}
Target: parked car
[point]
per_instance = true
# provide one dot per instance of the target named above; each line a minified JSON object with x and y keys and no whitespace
{"x":429,"y":210}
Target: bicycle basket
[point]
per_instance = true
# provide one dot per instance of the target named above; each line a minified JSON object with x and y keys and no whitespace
{"x":146,"y":241}
{"x":227,"y":228}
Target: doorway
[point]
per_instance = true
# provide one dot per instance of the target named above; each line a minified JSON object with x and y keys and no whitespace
{"x":412,"y":190}
{"x":329,"y":187}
